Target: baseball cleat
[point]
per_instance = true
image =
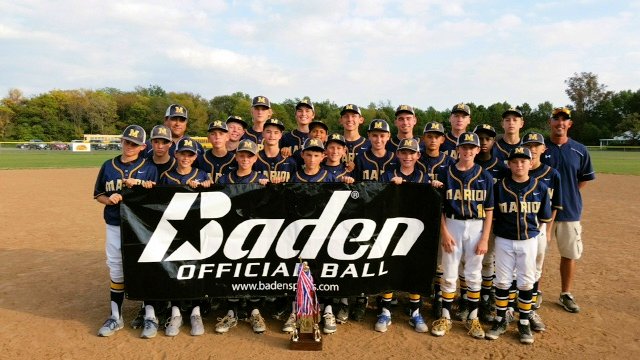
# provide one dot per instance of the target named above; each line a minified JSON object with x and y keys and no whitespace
{"x":329,"y":323}
{"x":110,"y":326}
{"x":226,"y":323}
{"x":290,"y":325}
{"x":257,"y":323}
{"x":440,"y":327}
{"x":197,"y":327}
{"x":536,"y":322}
{"x":383,"y":323}
{"x":498,"y":328}
{"x":149,"y":329}
{"x":526,"y":337}
{"x":172,"y":328}
{"x":418,"y":324}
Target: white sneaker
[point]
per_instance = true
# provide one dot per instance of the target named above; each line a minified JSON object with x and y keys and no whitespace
{"x":226,"y":323}
{"x":257,"y":323}
{"x":110,"y":326}
{"x":290,"y":325}
{"x":197,"y":327}
{"x":149,"y":328}
{"x":329,"y":323}
{"x":172,"y":328}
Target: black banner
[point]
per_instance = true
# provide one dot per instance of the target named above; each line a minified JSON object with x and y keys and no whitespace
{"x":237,"y":240}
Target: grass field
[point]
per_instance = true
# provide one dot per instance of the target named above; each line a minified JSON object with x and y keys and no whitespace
{"x":610,"y":162}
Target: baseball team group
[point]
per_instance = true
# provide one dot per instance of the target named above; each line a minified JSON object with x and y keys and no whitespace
{"x":504,"y":198}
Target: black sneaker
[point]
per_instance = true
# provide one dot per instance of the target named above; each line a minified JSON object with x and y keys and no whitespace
{"x":484,"y":312}
{"x":568,"y":303}
{"x":358,"y":309}
{"x":526,"y":337}
{"x":536,"y":322}
{"x":498,"y":328}
{"x":463,"y":310}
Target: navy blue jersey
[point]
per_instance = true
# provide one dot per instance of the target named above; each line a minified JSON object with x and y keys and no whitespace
{"x":355,"y":148}
{"x":502,"y":149}
{"x":417,"y":176}
{"x":217,"y":166}
{"x":520,"y":208}
{"x":164,"y":167}
{"x":370,"y":167}
{"x":467,"y":194}
{"x":279,"y":166}
{"x":148,"y":151}
{"x":111,"y":177}
{"x":450,"y":144}
{"x":293,"y":140}
{"x":255,"y":136}
{"x":392,"y":144}
{"x":338,"y":171}
{"x":434,"y":165}
{"x":573,"y":162}
{"x":550,"y":177}
{"x":173,"y":177}
{"x":321,"y":176}
{"x":494,"y":166}
{"x":233,"y":178}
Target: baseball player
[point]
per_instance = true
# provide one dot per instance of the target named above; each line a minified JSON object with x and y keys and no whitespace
{"x":160,"y":144}
{"x":236,"y":127}
{"x":512,"y":122}
{"x":522,"y":204}
{"x":405,"y":121}
{"x":497,"y":169}
{"x":317,"y":130}
{"x":460,"y":118}
{"x":128,"y":169}
{"x":465,"y":227}
{"x":271,"y":163}
{"x":260,"y":112}
{"x":335,"y":150}
{"x":550,"y":177}
{"x":573,"y":162}
{"x":217,"y":160}
{"x":372,"y":163}
{"x":293,"y":140}
{"x":350,"y":119}
{"x":408,"y":153}
{"x":176,"y":118}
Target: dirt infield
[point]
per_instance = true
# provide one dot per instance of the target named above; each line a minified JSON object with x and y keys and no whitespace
{"x":54,"y":289}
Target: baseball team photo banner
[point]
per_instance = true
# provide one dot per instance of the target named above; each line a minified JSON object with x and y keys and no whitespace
{"x":247,"y":239}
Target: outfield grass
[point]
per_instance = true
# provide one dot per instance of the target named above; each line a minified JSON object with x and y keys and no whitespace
{"x":610,"y":162}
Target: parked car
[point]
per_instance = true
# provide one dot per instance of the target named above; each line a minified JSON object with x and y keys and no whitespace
{"x":114,"y":145}
{"x":34,"y":144}
{"x":59,"y":146}
{"x":98,"y":145}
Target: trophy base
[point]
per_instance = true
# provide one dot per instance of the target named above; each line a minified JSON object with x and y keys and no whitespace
{"x":307,"y":342}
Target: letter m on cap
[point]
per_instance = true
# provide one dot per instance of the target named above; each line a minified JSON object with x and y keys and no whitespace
{"x":468,"y":137}
{"x":261,"y":99}
{"x":217,"y":123}
{"x":533,"y":137}
{"x":377,"y":125}
{"x":134,"y":133}
{"x":188,"y":143}
{"x":518,"y":150}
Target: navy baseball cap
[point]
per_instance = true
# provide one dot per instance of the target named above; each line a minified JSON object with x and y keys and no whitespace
{"x":405,"y":108}
{"x":274,"y":122}
{"x":313,"y":144}
{"x":261,"y":101}
{"x":468,"y":138}
{"x":335,"y":137}
{"x":160,"y":132}
{"x":135,"y":134}
{"x":561,"y":110}
{"x":248,"y":146}
{"x":187,"y":144}
{"x":305,"y":102}
{"x":519,"y":152}
{"x":237,"y":119}
{"x":486,"y":128}
{"x":533,"y":138}
{"x":352,"y":108}
{"x":218,"y":125}
{"x":461,"y":107}
{"x":513,"y":111}
{"x":316,"y":123}
{"x":409,"y":144}
{"x":434,"y":127}
{"x":379,"y":125}
{"x":175,"y":110}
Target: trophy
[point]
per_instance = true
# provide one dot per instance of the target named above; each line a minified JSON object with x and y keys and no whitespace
{"x":306,"y":335}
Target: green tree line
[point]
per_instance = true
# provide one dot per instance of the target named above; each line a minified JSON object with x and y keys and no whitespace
{"x":63,"y":115}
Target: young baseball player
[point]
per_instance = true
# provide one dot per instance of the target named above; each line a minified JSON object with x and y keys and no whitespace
{"x":497,"y":169}
{"x":275,"y":167}
{"x":465,"y":227}
{"x":160,"y":144}
{"x":573,"y":162}
{"x":128,"y":169}
{"x":236,"y":127}
{"x":185,"y":174}
{"x":335,"y":150}
{"x":350,"y":119}
{"x":246,"y":157}
{"x":217,"y":160}
{"x":372,"y":163}
{"x":550,"y":177}
{"x":260,"y":112}
{"x":408,"y":153}
{"x":293,"y":140}
{"x":433,"y":162}
{"x":522,"y":204}
{"x":459,"y":119}
{"x":405,"y":121}
{"x":512,"y":122}
{"x":317,"y":130}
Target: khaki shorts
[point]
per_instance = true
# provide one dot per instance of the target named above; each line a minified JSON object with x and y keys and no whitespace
{"x":568,"y":235}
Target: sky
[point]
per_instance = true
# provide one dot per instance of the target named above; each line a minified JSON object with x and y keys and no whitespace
{"x":417,"y":52}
